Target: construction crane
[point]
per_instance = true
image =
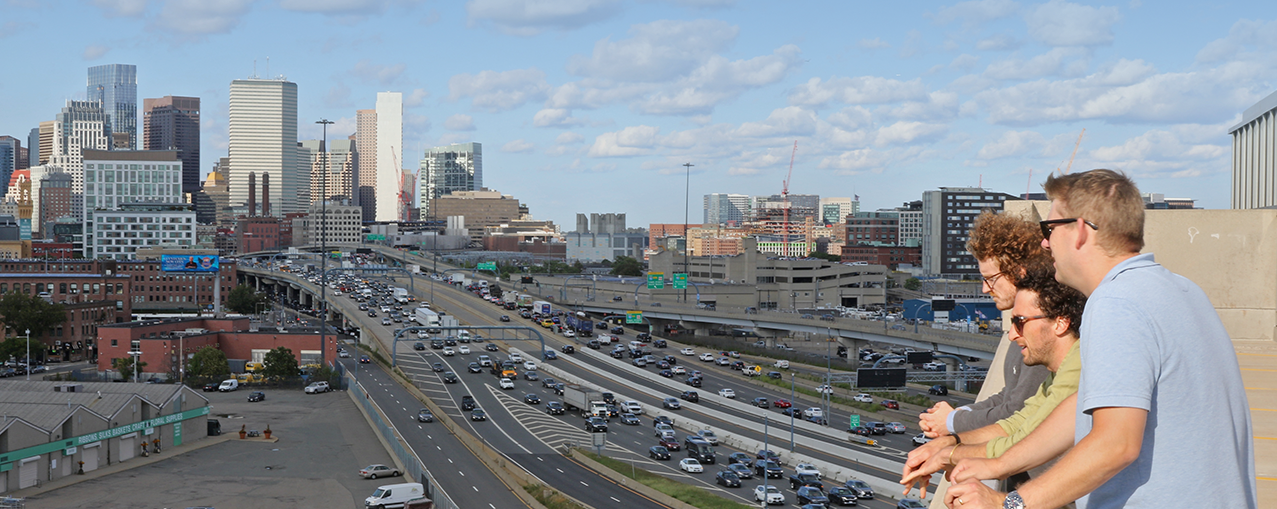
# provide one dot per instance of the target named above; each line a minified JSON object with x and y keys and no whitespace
{"x":1074,"y":154}
{"x":784,"y":194}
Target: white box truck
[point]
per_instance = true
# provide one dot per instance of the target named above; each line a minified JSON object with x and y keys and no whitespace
{"x":542,"y":307}
{"x":457,"y":278}
{"x":576,"y":397}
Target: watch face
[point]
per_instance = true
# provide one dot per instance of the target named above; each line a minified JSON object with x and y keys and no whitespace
{"x":1013,"y":501}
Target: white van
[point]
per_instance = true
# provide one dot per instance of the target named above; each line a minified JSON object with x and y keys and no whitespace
{"x":395,"y":495}
{"x":228,"y":385}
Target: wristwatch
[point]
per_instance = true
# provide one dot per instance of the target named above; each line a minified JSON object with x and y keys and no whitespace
{"x":1013,"y":501}
{"x":956,"y":438}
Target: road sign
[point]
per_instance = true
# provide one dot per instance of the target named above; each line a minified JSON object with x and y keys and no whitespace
{"x":680,"y":281}
{"x":655,"y":280}
{"x":633,"y":317}
{"x":492,"y":266}
{"x":376,"y":237}
{"x":855,"y":421}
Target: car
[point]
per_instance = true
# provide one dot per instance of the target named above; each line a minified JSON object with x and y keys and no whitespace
{"x":450,"y":341}
{"x":691,"y":466}
{"x":657,"y":452}
{"x":437,"y":367}
{"x":920,"y":438}
{"x":436,"y":344}
{"x":708,"y":436}
{"x":759,"y":402}
{"x":666,"y":373}
{"x":478,"y":415}
{"x":568,"y":349}
{"x":938,"y":390}
{"x":424,"y":415}
{"x":617,"y":330}
{"x":644,"y":336}
{"x":474,"y":367}
{"x":860,"y":430}
{"x":596,"y":425}
{"x":554,"y":407}
{"x":860,"y":488}
{"x":811,"y":495}
{"x":679,"y":370}
{"x":863,"y":398}
{"x":639,"y":362}
{"x":841,"y":496}
{"x":448,"y":351}
{"x":363,"y":359}
{"x":769,"y":493}
{"x":727,"y":393}
{"x":741,"y":470}
{"x":529,"y":366}
{"x":256,"y":396}
{"x":450,"y":377}
{"x":629,"y":418}
{"x":343,"y":354}
{"x":664,"y":431}
{"x":767,"y":454}
{"x":210,"y":387}
{"x":768,"y":468}
{"x":826,"y":389}
{"x":687,"y":351}
{"x":569,"y":333}
{"x":506,"y":384}
{"x":662,"y":419}
{"x":532,"y":399}
{"x":910,"y":503}
{"x":671,"y":404}
{"x":877,"y":428}
{"x":558,"y":388}
{"x":775,"y":375}
{"x":706,"y":357}
{"x":727,"y":478}
{"x":375,"y":471}
{"x":385,"y":321}
{"x":549,"y":355}
{"x":895,"y":427}
{"x":799,"y":480}
{"x":694,"y":381}
{"x":670,"y":442}
{"x":467,"y":402}
{"x":781,"y":403}
{"x":418,"y":346}
{"x":317,"y":387}
{"x":740,"y":457}
{"x":463,"y":350}
{"x":892,"y":404}
{"x":491,"y":347}
{"x":663,"y":364}
{"x":807,"y":468}
{"x":723,"y":361}
{"x":690,"y":396}
{"x":505,"y":318}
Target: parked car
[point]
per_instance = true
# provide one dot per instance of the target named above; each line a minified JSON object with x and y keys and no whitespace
{"x":375,"y":471}
{"x":256,"y":396}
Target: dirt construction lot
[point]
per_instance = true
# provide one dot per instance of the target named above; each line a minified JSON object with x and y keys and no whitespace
{"x":323,"y":442}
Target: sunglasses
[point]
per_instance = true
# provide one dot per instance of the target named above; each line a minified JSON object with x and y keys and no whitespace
{"x":1049,"y":225}
{"x":1019,"y":321}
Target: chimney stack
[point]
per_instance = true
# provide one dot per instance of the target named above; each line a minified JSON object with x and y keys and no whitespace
{"x":265,"y":194}
{"x":252,"y":194}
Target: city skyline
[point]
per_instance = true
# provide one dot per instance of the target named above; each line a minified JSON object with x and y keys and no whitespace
{"x":578,"y":101}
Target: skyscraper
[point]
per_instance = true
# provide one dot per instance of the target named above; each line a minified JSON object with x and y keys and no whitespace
{"x":173,"y":123}
{"x":33,"y":147}
{"x":115,"y":86}
{"x":263,"y":140}
{"x":456,"y":167}
{"x":366,"y":163}
{"x":336,"y":181}
{"x":81,"y":125}
{"x":9,"y":149}
{"x":389,"y":154}
{"x":721,"y":208}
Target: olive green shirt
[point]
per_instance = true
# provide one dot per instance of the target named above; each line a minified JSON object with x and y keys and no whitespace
{"x":1056,"y":387}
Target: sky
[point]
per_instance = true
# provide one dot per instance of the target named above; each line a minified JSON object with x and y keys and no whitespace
{"x":594,"y":106}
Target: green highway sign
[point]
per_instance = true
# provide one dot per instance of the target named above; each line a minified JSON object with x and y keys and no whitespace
{"x":376,"y":237}
{"x":680,"y":281}
{"x":492,"y":266}
{"x":633,"y":317}
{"x":855,"y":420}
{"x":655,"y":280}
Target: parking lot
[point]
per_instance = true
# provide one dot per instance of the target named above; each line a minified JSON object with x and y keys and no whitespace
{"x":323,"y":442}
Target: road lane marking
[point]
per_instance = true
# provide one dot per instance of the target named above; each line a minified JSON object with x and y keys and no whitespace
{"x":583,"y":484}
{"x":614,"y":499}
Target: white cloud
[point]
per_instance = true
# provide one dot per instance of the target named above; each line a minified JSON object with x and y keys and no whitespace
{"x":499,"y":91}
{"x":1056,"y":62}
{"x":1061,"y":23}
{"x":200,"y":17}
{"x":789,"y":121}
{"x":459,"y":122}
{"x":858,"y":90}
{"x":1245,"y":35}
{"x":416,"y":98}
{"x":902,"y":132}
{"x":963,"y":62}
{"x":656,"y":52}
{"x":128,"y":8}
{"x":719,"y":80}
{"x":997,"y":43}
{"x":368,"y":72}
{"x":338,"y":7}
{"x":1012,"y":143}
{"x":875,"y":43}
{"x":94,"y":51}
{"x":569,"y":138}
{"x":628,"y":142}
{"x":518,"y":146}
{"x":976,"y":12}
{"x":856,"y":161}
{"x":531,"y":17}
{"x":555,"y":117}
{"x":853,"y":117}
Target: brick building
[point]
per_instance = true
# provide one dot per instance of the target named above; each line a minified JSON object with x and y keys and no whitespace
{"x":257,"y":233}
{"x":91,"y":298}
{"x":891,"y":256}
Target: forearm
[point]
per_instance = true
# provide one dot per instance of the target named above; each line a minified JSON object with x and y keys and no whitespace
{"x":1114,"y":442}
{"x":982,"y":435}
{"x":1049,"y":440}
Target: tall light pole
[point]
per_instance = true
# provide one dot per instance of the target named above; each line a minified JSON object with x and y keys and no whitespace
{"x":323,"y":242}
{"x":687,"y":239}
{"x":28,"y":336}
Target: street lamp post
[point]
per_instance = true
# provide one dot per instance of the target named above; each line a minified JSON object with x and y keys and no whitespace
{"x":28,"y":370}
{"x":792,"y":401}
{"x":323,"y":243}
{"x":687,"y":239}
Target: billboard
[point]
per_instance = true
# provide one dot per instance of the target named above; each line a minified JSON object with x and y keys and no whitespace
{"x":189,"y":263}
{"x":885,"y":378}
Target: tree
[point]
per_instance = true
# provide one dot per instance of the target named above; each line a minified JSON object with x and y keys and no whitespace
{"x":280,"y":363}
{"x":209,"y":362}
{"x":913,"y":284}
{"x":626,"y":266}
{"x":124,"y":365}
{"x":16,"y":347}
{"x":824,"y":256}
{"x":21,"y":312}
{"x":243,"y":300}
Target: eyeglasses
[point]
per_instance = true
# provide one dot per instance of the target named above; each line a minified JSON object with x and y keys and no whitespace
{"x":1019,"y":321}
{"x":991,"y":280}
{"x":1049,"y":225}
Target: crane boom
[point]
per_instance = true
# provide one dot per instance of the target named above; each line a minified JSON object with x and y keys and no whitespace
{"x":784,"y":194}
{"x":1074,"y":154}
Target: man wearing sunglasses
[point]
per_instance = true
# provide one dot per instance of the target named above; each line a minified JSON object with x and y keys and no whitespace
{"x":1006,"y":247}
{"x":1158,"y":367}
{"x":1044,"y":327}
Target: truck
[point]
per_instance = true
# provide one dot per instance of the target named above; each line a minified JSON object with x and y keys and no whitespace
{"x":428,"y":318}
{"x":580,"y":323}
{"x":458,"y":278}
{"x":524,"y":302}
{"x":576,"y":397}
{"x":415,"y":269}
{"x":542,"y":307}
{"x":400,"y":295}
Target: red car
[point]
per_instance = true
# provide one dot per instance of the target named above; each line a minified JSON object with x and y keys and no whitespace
{"x":670,"y":444}
{"x":891,"y":403}
{"x":781,"y":403}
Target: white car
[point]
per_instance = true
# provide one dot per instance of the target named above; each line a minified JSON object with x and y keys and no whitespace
{"x":706,"y":357}
{"x":343,"y":354}
{"x":813,"y":413}
{"x":680,"y":370}
{"x":863,"y":398}
{"x":463,"y":350}
{"x":448,"y":351}
{"x":506,"y":383}
{"x":708,"y":436}
{"x":691,"y":466}
{"x":772,"y":493}
{"x":687,"y":351}
{"x":664,"y":429}
{"x":632,"y":407}
{"x":529,"y":366}
{"x":826,"y":389}
{"x":422,"y":335}
{"x":807,"y":468}
{"x":515,"y":357}
{"x":568,"y":333}
{"x":604,"y":339}
{"x":920,"y":438}
{"x":727,"y":393}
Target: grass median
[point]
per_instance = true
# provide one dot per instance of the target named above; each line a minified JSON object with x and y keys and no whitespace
{"x":691,"y":495}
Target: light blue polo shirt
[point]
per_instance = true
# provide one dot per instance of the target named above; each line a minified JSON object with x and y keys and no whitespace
{"x":1152,"y":340}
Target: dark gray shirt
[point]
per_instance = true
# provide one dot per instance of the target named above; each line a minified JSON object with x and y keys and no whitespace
{"x":1022,"y":382}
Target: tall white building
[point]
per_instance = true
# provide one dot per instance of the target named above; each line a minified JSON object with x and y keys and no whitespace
{"x":81,"y":125}
{"x":721,"y":208}
{"x":263,"y":140}
{"x":836,"y":210}
{"x":113,"y":179}
{"x":389,"y":154}
{"x":456,"y":167}
{"x":336,"y":181}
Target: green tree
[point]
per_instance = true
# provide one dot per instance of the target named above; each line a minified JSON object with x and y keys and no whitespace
{"x":243,"y":300}
{"x":280,"y":363}
{"x":626,"y":266}
{"x":208,"y":362}
{"x":21,"y":312}
{"x":124,"y":365}
{"x":824,"y":256}
{"x":913,"y":284}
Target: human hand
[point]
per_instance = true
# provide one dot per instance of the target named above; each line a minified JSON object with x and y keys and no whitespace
{"x":934,"y":422}
{"x":974,"y":494}
{"x":921,"y":464}
{"x":976,"y":469}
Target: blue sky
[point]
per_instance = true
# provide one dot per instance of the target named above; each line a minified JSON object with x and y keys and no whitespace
{"x":595,"y":105}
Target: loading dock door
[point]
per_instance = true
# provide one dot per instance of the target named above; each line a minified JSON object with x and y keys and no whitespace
{"x":128,"y":447}
{"x":28,"y":472}
{"x":89,"y":455}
